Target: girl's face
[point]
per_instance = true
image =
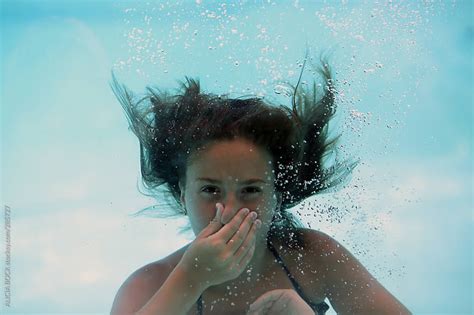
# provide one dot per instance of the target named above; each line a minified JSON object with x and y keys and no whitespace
{"x":237,"y":174}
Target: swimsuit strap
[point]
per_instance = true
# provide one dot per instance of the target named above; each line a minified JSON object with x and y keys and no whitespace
{"x":199,"y":304}
{"x":320,"y":308}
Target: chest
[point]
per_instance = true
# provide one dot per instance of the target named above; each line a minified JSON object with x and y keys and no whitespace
{"x":236,"y":299}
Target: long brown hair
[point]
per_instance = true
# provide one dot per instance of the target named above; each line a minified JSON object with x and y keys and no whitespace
{"x":170,"y":127}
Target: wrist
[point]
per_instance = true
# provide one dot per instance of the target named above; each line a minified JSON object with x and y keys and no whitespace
{"x":195,"y":285}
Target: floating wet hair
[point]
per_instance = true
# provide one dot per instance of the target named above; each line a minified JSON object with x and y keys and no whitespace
{"x":171,"y":127}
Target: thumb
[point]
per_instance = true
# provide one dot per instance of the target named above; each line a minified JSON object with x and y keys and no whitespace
{"x":215,"y":225}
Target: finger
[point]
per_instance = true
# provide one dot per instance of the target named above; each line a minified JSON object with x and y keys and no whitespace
{"x":247,"y":245}
{"x":219,"y":212}
{"x":262,"y":309}
{"x":247,"y":257}
{"x":233,"y":226}
{"x":241,"y":234}
{"x":215,"y":225}
{"x":266,"y":300}
{"x":256,"y":312}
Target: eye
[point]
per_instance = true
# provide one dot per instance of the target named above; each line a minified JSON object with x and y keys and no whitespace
{"x":210,"y":190}
{"x":213,"y":190}
{"x":252,"y":190}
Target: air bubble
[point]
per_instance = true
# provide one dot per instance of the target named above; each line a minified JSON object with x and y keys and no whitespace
{"x":283,"y":90}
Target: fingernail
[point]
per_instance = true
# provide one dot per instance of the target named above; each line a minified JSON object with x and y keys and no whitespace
{"x":258,"y":223}
{"x":246,"y":211}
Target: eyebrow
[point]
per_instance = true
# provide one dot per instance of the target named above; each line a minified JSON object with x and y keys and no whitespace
{"x":245,"y":182}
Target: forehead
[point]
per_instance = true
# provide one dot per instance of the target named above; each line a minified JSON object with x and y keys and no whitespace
{"x":230,"y":159}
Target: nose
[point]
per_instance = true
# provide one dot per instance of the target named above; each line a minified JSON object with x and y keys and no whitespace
{"x":231,"y":206}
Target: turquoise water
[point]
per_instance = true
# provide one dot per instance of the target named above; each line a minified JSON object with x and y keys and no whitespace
{"x":70,"y":166}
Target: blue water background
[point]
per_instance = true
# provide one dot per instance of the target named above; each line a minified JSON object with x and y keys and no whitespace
{"x":70,"y":166}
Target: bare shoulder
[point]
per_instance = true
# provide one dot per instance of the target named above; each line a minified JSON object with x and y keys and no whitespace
{"x":332,"y":257}
{"x":317,"y":245}
{"x":143,"y":283}
{"x":330,"y":252}
{"x":305,"y":263}
{"x":314,"y":239}
{"x":349,"y":285}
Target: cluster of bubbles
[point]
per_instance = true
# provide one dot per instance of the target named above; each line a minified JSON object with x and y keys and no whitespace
{"x":372,"y":42}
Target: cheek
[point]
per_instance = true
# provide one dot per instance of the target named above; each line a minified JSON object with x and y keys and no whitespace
{"x":200,"y":212}
{"x":198,"y":222}
{"x":267,"y":209}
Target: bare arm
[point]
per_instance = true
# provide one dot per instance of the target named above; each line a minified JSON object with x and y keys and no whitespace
{"x":351,"y":289}
{"x":217,"y":248}
{"x":176,"y":296}
{"x":144,"y":294}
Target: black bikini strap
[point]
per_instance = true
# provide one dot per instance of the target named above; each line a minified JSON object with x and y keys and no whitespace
{"x":280,"y":261}
{"x":320,"y":308}
{"x":199,"y":304}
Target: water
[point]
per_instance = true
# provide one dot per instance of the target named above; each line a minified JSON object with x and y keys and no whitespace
{"x":70,"y":166}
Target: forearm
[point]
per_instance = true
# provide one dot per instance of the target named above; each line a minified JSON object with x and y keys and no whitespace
{"x":175,"y":297}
